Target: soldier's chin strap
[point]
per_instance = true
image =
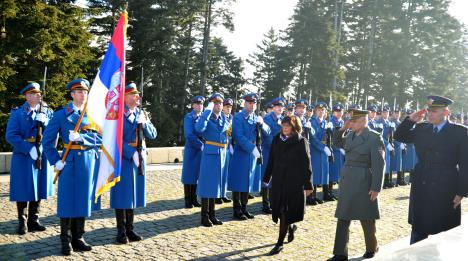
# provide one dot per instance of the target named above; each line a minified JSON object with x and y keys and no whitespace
{"x":69,"y":145}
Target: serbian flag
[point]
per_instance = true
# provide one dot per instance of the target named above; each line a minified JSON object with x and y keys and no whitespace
{"x":106,"y":107}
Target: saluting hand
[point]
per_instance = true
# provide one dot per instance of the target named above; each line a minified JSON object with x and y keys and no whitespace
{"x":457,"y":201}
{"x":418,"y":115}
{"x":373,"y":195}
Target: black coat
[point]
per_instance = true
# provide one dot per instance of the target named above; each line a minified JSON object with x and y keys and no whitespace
{"x":440,"y":174}
{"x":290,"y":172}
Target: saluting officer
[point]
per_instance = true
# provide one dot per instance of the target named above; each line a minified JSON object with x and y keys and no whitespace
{"x":130,"y":192}
{"x":245,"y":167}
{"x":273,"y":120}
{"x":192,"y":153}
{"x":29,"y":182}
{"x":360,"y":183}
{"x":213,"y":126}
{"x":440,"y":178}
{"x":77,"y":181}
{"x":387,"y":129}
{"x":338,"y":153}
{"x":319,"y":153}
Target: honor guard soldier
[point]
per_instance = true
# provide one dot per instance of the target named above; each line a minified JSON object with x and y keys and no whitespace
{"x":360,"y":183}
{"x":213,"y":126}
{"x":440,"y":178}
{"x":338,"y":153}
{"x":130,"y":192}
{"x":290,"y":109}
{"x":77,"y":180}
{"x":310,"y":112}
{"x":400,"y":150}
{"x":300,"y":111}
{"x":30,"y":173}
{"x":409,"y":158}
{"x":192,"y":153}
{"x":320,"y":153}
{"x":269,"y":107}
{"x":387,"y":134}
{"x":227,"y":110}
{"x":273,"y":120}
{"x":374,"y":124}
{"x":246,"y":163}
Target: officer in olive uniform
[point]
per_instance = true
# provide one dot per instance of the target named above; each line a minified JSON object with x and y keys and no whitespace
{"x":360,"y":183}
{"x":30,"y":179}
{"x":440,"y":178}
{"x":77,"y":181}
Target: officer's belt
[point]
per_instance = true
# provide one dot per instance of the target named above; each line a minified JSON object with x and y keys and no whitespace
{"x":217,"y":144}
{"x":357,"y":164}
{"x":324,"y":142}
{"x":31,"y":140}
{"x":76,"y":147}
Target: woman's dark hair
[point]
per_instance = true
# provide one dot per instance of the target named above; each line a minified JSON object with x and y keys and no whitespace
{"x":295,"y":123}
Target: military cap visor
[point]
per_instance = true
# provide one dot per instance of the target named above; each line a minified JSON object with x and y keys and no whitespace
{"x":78,"y":84}
{"x":197,"y":99}
{"x":31,"y":88}
{"x":228,"y":102}
{"x":216,"y":97}
{"x":250,"y":97}
{"x":358,"y":113}
{"x":301,"y":102}
{"x":434,"y":101}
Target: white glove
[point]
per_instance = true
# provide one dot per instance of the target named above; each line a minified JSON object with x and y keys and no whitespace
{"x":260,"y":120}
{"x":279,"y":122}
{"x":390,"y":147}
{"x":343,"y":151}
{"x":59,"y":165}
{"x":136,"y":159}
{"x":202,"y":147}
{"x":33,"y":153}
{"x":308,"y":125}
{"x":210,"y":106}
{"x":392,"y":125}
{"x":327,"y":151}
{"x":74,"y":136}
{"x":402,"y":146}
{"x":142,"y":118}
{"x":329,"y":125}
{"x":231,"y":149}
{"x":41,"y":117}
{"x":256,"y":153}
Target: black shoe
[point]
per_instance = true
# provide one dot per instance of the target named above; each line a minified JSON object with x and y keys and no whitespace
{"x":193,"y":196}
{"x":80,"y":245}
{"x":212,"y":212}
{"x":250,"y":196}
{"x":226,"y":200}
{"x":291,"y":231}
{"x":311,"y":201}
{"x":247,"y":213}
{"x":319,"y":201}
{"x":368,"y":255}
{"x":132,"y":236}
{"x":22,"y":217}
{"x":328,"y":198}
{"x":121,"y":237}
{"x":266,"y":209}
{"x":276,"y":250}
{"x":78,"y":229}
{"x":215,"y":221}
{"x":121,"y":220}
{"x":218,"y":201}
{"x":35,"y":226}
{"x":205,"y":221}
{"x":237,"y":214}
{"x":338,"y":258}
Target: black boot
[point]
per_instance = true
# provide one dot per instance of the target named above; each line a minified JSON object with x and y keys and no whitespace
{"x":236,"y":203}
{"x":330,"y":190}
{"x":291,"y":229}
{"x":401,"y":178}
{"x":188,"y":196}
{"x":121,"y":235}
{"x":312,"y":198}
{"x":219,"y":201}
{"x":211,"y":213}
{"x":244,"y":201}
{"x":390,"y":182}
{"x":33,"y":217}
{"x":226,"y":200}
{"x":195,"y":202}
{"x":338,"y":258}
{"x":65,"y":235}
{"x":327,"y":193}
{"x":22,"y":227}
{"x":78,"y":230}
{"x":251,"y":196}
{"x":276,"y":250}
{"x":132,"y":236}
{"x":266,"y":201}
{"x":385,"y":183}
{"x":319,"y":201}
{"x":205,"y":220}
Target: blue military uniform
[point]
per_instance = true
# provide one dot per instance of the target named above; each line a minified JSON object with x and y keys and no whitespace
{"x":230,"y":151}
{"x":77,"y":181}
{"x":388,"y":129}
{"x":245,"y":168}
{"x":319,"y":158}
{"x":192,"y":155}
{"x":399,"y":153}
{"x":274,"y":122}
{"x":440,"y":174}
{"x":338,"y":157}
{"x":306,"y":128}
{"x":409,"y":158}
{"x":214,"y":130}
{"x":130,"y":192}
{"x":28,"y":182}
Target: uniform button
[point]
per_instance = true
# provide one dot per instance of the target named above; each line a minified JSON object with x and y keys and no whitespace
{"x":79,"y":153}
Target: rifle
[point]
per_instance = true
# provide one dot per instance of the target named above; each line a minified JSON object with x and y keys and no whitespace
{"x":40,"y":126}
{"x":258,"y":138}
{"x":329,"y":134}
{"x":391,"y":139}
{"x":139,"y":133}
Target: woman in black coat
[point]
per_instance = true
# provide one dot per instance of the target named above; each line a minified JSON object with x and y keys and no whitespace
{"x":289,"y":174}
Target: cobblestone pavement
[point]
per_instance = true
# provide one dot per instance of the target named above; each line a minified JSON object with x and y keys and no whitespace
{"x":173,"y":233}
